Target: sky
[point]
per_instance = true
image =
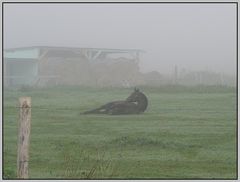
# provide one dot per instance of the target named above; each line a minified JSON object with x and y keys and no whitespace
{"x":190,"y":36}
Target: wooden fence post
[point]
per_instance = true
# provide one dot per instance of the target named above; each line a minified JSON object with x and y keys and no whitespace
{"x":23,"y":136}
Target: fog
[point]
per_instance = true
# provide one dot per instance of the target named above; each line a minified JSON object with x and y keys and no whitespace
{"x":193,"y":37}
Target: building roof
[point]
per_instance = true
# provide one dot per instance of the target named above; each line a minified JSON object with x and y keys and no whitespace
{"x":75,"y":48}
{"x":38,"y":52}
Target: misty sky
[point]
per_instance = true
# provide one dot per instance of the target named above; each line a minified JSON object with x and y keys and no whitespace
{"x":192,"y":36}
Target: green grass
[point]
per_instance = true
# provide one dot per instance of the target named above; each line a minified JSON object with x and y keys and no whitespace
{"x":186,"y":132}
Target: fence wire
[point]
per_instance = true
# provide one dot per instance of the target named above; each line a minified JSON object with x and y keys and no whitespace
{"x":42,"y":108}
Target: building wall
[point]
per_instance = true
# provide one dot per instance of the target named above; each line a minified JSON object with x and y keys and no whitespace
{"x":80,"y":71}
{"x":20,"y":72}
{"x":52,"y":66}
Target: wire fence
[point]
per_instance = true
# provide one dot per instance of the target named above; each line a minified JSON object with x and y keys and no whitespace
{"x":43,"y":108}
{"x":80,"y":110}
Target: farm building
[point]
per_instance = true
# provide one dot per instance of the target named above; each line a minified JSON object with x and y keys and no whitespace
{"x":43,"y":65}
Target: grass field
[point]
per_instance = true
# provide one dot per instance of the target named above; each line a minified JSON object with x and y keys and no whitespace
{"x":185,"y":133}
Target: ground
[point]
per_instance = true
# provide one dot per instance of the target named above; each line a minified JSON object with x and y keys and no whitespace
{"x":185,"y":133}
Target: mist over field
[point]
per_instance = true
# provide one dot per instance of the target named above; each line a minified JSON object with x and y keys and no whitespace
{"x":121,"y":91}
{"x":191,"y":37}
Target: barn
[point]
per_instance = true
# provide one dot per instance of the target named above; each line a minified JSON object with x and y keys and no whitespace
{"x":44,"y":65}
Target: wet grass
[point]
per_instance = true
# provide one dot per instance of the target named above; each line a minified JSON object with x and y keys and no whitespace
{"x":185,"y":133}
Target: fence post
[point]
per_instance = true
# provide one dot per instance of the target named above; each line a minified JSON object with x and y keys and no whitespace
{"x":23,"y":136}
